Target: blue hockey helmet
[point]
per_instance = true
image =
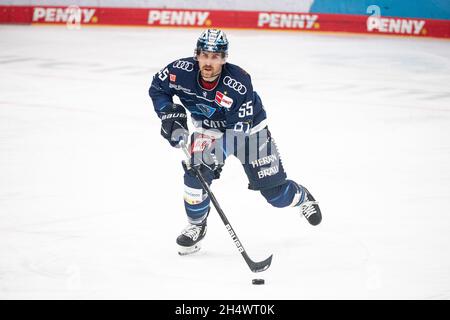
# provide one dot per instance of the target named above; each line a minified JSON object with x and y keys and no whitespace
{"x":212,"y":40}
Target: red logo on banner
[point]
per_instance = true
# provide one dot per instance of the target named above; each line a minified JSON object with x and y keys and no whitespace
{"x":178,"y":17}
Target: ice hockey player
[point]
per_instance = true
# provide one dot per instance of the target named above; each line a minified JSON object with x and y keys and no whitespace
{"x":228,"y":119}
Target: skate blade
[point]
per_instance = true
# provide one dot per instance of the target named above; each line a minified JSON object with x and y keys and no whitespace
{"x":184,"y":251}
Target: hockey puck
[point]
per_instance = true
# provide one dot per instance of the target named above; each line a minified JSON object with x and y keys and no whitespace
{"x":258,"y":281}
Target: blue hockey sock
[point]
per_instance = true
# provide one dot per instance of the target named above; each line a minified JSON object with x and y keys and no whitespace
{"x":288,"y":194}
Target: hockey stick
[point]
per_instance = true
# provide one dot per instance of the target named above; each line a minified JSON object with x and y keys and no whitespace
{"x":254,"y":266}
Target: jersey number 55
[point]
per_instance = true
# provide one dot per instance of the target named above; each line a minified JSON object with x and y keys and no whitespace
{"x":246,"y":109}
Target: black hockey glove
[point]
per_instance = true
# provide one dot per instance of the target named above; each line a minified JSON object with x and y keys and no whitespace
{"x":174,"y":124}
{"x":202,"y":152}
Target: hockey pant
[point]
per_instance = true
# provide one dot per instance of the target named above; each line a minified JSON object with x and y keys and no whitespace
{"x":264,"y":169}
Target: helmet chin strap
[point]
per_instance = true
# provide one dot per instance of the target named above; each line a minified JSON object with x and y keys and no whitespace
{"x":213,"y":77}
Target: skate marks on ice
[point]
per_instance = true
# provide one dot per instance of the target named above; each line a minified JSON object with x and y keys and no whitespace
{"x":311,"y":266}
{"x":361,"y":88}
{"x":52,"y":67}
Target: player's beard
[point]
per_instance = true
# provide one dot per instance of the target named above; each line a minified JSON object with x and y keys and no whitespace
{"x":209,"y":73}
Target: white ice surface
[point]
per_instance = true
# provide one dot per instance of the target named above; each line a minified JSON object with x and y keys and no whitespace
{"x":91,"y":195}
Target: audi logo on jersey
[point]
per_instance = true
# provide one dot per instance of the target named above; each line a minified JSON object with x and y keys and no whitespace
{"x":183,"y":65}
{"x":234,"y":84}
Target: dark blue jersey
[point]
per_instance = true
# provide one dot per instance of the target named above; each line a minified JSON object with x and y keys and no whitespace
{"x":232,"y":104}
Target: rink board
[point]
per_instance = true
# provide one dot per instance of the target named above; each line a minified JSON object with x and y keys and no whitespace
{"x":264,"y":20}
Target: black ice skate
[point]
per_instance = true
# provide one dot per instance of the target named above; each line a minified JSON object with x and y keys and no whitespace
{"x":190,"y":239}
{"x":310,"y":209}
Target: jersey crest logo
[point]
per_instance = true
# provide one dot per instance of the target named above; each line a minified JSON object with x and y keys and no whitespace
{"x":234,"y":84}
{"x":204,"y":110}
{"x":222,"y":100}
{"x":183,"y":65}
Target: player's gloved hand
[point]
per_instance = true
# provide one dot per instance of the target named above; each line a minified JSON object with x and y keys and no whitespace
{"x":174,"y":124}
{"x":202,"y":152}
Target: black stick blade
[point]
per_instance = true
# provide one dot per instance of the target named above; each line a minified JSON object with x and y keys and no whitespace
{"x":258,"y":266}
